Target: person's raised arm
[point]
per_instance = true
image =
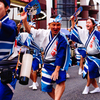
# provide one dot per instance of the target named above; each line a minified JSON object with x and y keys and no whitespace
{"x":25,"y":22}
{"x":72,"y":21}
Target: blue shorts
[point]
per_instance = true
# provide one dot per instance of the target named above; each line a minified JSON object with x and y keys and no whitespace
{"x":46,"y":82}
{"x":35,"y":64}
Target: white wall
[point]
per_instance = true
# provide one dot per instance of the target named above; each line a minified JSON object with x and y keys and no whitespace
{"x":98,"y":1}
{"x":14,"y":14}
{"x":11,"y":13}
{"x":86,"y":2}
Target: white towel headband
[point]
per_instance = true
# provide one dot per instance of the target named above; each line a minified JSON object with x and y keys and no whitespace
{"x":57,"y":19}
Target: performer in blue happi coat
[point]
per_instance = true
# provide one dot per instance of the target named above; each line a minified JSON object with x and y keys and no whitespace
{"x":80,"y":55}
{"x":8,"y":32}
{"x":56,"y":58}
{"x":91,"y":40}
{"x":25,"y":39}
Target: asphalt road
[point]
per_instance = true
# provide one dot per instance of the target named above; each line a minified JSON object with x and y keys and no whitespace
{"x":73,"y":91}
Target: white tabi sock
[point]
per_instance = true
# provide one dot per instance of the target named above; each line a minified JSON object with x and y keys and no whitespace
{"x":95,"y":90}
{"x":86,"y":90}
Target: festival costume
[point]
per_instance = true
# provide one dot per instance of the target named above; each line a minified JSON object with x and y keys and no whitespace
{"x":8,"y":33}
{"x":77,"y":56}
{"x":92,"y":45}
{"x":56,"y":54}
{"x":25,"y":39}
{"x":81,"y":48}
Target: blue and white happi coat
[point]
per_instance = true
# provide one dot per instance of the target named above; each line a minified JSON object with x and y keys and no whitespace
{"x":92,"y":45}
{"x":56,"y":51}
{"x":25,"y":39}
{"x":81,"y":48}
{"x":8,"y":34}
{"x":52,"y":47}
{"x":80,"y":51}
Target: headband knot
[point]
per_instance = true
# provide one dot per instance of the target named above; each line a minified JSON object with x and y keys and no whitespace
{"x":93,"y":20}
{"x":57,"y":19}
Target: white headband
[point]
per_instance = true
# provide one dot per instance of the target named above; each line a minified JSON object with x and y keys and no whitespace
{"x":98,"y":25}
{"x":57,"y":19}
{"x":93,"y":20}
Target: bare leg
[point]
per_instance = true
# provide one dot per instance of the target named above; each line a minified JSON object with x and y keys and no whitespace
{"x":94,"y":83}
{"x":81,"y":62}
{"x":52,"y":94}
{"x":81,"y":66}
{"x":34,"y":76}
{"x":59,"y":90}
{"x":91,"y":81}
{"x":88,"y":80}
{"x":86,"y":89}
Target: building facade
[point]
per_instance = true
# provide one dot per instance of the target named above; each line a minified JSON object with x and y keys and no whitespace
{"x":90,"y":8}
{"x":64,"y":7}
{"x":67,"y":7}
{"x":17,"y":6}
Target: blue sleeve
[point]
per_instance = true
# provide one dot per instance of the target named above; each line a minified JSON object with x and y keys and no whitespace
{"x":98,"y":36}
{"x":97,"y":40}
{"x":9,"y":27}
{"x":61,"y":54}
{"x":74,"y":35}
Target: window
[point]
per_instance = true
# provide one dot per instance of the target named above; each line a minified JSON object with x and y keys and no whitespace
{"x":66,"y":8}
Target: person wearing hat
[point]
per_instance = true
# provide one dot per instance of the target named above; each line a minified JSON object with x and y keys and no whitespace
{"x":8,"y":31}
{"x":56,"y":55}
{"x":98,"y":27}
{"x":90,"y":38}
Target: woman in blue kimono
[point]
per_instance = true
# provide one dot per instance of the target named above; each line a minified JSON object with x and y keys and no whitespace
{"x":8,"y":31}
{"x":91,"y":40}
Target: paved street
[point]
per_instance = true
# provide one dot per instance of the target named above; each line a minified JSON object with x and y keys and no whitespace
{"x":73,"y":91}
